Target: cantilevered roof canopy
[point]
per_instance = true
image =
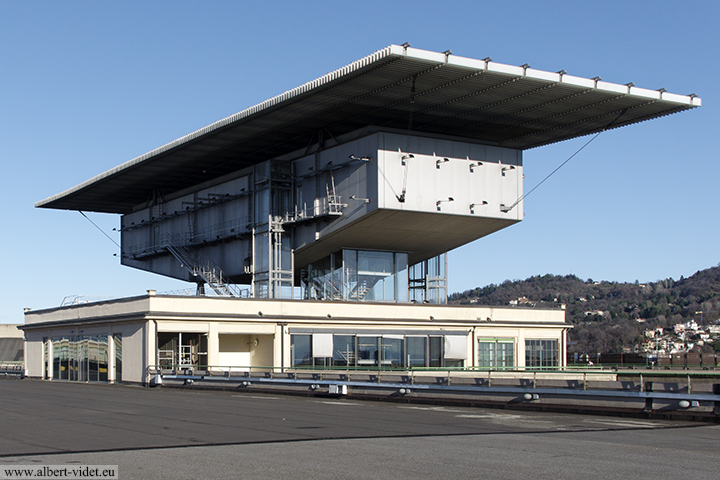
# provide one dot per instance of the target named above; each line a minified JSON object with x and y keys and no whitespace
{"x":397,"y":87}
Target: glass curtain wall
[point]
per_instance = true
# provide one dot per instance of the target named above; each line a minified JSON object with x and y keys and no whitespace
{"x":428,"y":280}
{"x":83,"y":358}
{"x":373,"y":351}
{"x":358,"y":275}
{"x":541,"y":353}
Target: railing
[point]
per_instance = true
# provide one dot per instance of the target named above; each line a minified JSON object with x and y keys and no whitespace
{"x":325,"y":206}
{"x":518,"y":385}
{"x":80,"y":299}
{"x":210,"y":233}
{"x":12,"y":368}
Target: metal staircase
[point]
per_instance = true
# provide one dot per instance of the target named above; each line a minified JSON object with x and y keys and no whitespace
{"x":360,"y":291}
{"x":198,"y":267}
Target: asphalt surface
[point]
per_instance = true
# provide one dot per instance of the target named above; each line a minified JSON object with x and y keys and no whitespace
{"x":170,"y":433}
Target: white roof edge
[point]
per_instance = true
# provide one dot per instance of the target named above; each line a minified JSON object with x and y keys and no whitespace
{"x":392,"y":50}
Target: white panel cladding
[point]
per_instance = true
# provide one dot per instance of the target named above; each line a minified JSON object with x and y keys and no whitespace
{"x":450,"y":177}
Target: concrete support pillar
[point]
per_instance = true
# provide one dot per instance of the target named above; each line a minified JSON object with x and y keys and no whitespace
{"x":49,"y":360}
{"x":111,"y":357}
{"x":279,"y":346}
{"x":149,"y":350}
{"x":213,"y":345}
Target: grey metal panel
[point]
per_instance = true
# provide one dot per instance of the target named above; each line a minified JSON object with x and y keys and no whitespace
{"x":510,"y":106}
{"x":11,"y":349}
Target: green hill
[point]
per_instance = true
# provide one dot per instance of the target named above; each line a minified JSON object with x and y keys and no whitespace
{"x":608,"y":316}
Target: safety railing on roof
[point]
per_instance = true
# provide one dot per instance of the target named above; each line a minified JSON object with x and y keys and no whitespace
{"x":519,"y":385}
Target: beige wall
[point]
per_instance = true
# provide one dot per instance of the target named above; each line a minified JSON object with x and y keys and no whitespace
{"x":234,"y":325}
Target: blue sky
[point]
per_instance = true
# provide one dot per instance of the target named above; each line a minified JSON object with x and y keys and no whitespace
{"x":88,"y":85}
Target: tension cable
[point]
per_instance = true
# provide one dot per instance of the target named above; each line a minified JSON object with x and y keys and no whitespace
{"x":101,"y":230}
{"x":522,"y":197}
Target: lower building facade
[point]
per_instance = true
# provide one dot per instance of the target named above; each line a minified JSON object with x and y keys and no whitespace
{"x":128,"y":339}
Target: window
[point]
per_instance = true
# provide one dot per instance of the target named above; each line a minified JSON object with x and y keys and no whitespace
{"x":378,"y":350}
{"x":496,"y":353}
{"x":392,"y":351}
{"x":417,"y":351}
{"x":81,"y":358}
{"x":344,"y":350}
{"x":118,"y":357}
{"x":300,"y":350}
{"x":367,"y":348}
{"x":541,"y":353}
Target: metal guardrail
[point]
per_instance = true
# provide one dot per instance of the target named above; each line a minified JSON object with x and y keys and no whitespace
{"x":443,"y":382}
{"x":12,"y":369}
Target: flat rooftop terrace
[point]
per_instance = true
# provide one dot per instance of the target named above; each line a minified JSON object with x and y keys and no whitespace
{"x":162,"y":433}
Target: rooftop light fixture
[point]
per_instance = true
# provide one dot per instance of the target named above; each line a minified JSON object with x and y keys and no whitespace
{"x":361,"y":159}
{"x":441,"y":160}
{"x":406,"y":157}
{"x":505,"y":169}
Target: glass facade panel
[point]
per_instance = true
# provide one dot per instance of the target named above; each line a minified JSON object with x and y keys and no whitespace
{"x":358,"y":275}
{"x":352,"y":288}
{"x":393,"y":352}
{"x":367,"y":351}
{"x":541,"y":353}
{"x":381,"y":351}
{"x":401,"y":277}
{"x":417,"y":351}
{"x":118,"y":358}
{"x":496,"y":353}
{"x":344,"y":350}
{"x":84,"y":358}
{"x":300,"y":351}
{"x":436,"y":352}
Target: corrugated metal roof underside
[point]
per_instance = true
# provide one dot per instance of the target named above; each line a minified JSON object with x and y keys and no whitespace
{"x":414,"y":90}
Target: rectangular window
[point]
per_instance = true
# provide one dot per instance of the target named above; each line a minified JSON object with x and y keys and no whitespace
{"x":300,"y":351}
{"x":343,"y":350}
{"x":392,"y":351}
{"x":82,"y":358}
{"x":541,"y":353}
{"x":436,"y":352}
{"x":496,"y":353}
{"x":367,"y":348}
{"x":118,"y":357}
{"x":417,"y":351}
